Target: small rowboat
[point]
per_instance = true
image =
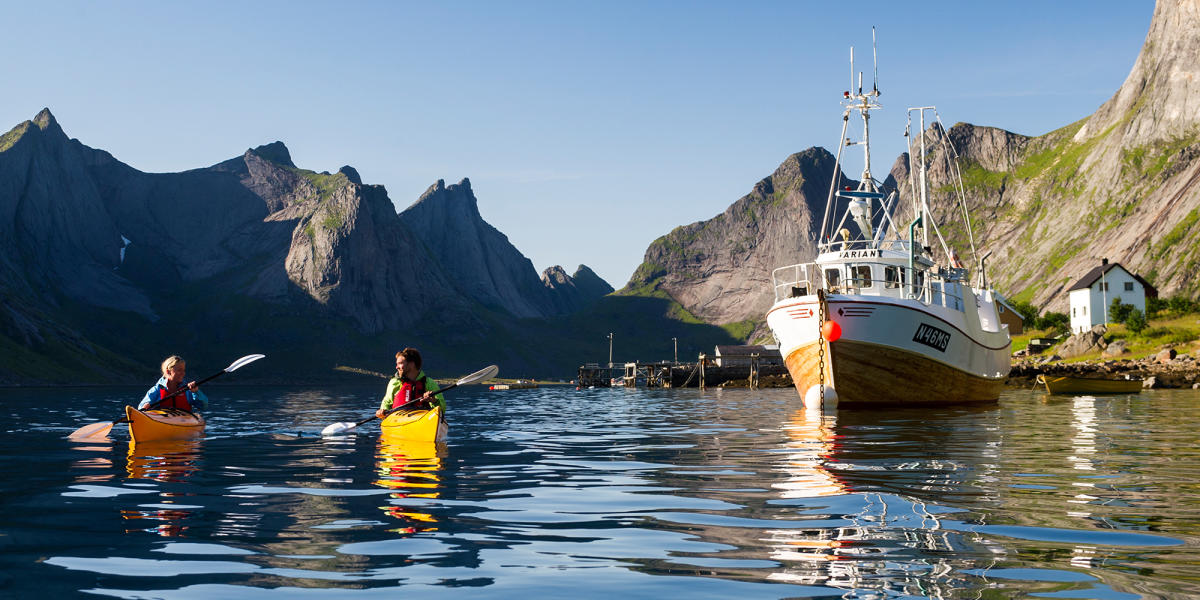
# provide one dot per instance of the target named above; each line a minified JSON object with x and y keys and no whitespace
{"x":416,"y":425}
{"x":162,"y":424}
{"x":1056,"y":384}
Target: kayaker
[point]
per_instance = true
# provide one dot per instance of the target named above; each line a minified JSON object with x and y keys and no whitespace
{"x":173,"y":369}
{"x":409,"y":384}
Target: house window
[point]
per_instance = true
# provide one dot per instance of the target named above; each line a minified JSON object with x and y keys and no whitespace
{"x":1129,"y":286}
{"x":1104,"y":286}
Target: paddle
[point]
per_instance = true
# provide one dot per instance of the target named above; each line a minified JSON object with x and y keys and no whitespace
{"x":476,"y":377}
{"x":99,"y":430}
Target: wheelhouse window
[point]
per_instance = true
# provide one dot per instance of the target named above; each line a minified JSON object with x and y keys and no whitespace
{"x":862,"y":276}
{"x":833,"y":277}
{"x":891,"y":277}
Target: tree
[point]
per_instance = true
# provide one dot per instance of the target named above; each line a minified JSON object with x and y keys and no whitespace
{"x":1028,"y":312}
{"x":1119,"y":311}
{"x":1136,"y":321}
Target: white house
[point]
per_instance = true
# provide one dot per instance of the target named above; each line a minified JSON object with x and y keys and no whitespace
{"x":1093,"y":294}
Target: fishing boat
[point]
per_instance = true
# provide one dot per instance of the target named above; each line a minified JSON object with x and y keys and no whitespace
{"x":878,"y":317}
{"x":417,"y":425}
{"x":162,"y":424}
{"x":1061,"y":384}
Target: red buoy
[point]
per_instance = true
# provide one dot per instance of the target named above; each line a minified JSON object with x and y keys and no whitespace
{"x":831,"y":331}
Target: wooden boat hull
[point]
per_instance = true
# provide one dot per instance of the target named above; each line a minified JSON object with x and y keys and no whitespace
{"x":152,"y":425}
{"x":1081,"y":385}
{"x":415,"y":425}
{"x":884,"y":355}
{"x":865,"y":374}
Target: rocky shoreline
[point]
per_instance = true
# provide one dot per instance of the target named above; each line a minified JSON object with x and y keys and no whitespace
{"x":1167,"y":369}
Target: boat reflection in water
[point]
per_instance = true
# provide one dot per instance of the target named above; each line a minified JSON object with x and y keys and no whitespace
{"x":811,"y":442}
{"x":169,"y":462}
{"x":412,"y":469}
{"x":864,"y":539}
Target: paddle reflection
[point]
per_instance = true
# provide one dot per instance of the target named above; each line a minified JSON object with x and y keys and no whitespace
{"x":96,"y":467}
{"x":412,"y":469}
{"x":166,"y":461}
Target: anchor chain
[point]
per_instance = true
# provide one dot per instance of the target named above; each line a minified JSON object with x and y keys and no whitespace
{"x":821,"y":343}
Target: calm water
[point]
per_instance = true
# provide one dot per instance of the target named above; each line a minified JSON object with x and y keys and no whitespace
{"x":645,"y":494}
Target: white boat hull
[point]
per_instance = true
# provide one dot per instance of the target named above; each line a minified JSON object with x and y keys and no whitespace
{"x":891,"y":351}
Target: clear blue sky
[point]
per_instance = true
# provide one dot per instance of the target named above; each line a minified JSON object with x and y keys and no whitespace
{"x":588,"y":129}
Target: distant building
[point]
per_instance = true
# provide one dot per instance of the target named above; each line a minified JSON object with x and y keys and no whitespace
{"x":1094,"y":292}
{"x":739,"y":356}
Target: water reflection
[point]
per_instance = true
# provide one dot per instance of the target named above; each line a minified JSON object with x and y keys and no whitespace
{"x":163,"y":461}
{"x":412,"y":469}
{"x":96,"y":466}
{"x":862,"y":540}
{"x":811,"y":443}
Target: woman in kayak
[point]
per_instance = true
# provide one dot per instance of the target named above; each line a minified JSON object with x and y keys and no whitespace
{"x":173,"y":369}
{"x":410,"y":385}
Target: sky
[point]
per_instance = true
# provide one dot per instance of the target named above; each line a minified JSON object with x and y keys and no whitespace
{"x":587,"y":129}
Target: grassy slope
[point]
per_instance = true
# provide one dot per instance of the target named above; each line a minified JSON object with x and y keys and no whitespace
{"x":1182,"y":331}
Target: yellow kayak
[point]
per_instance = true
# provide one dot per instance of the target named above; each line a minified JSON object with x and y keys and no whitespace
{"x":1082,"y":385}
{"x":162,"y":424}
{"x":416,"y":425}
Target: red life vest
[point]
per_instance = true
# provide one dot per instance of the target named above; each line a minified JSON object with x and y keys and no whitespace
{"x":409,"y":390}
{"x":180,"y":401}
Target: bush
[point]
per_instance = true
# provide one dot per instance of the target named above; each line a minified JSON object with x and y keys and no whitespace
{"x":1136,"y":321}
{"x":1181,"y":305}
{"x":1119,"y":311}
{"x":1056,"y":321}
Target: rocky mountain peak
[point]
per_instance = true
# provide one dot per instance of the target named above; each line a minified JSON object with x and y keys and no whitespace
{"x":45,"y":120}
{"x":275,"y":152}
{"x":1159,"y":99}
{"x":351,"y":173}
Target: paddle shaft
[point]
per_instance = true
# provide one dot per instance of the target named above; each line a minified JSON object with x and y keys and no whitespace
{"x":182,"y":390}
{"x":392,"y":410}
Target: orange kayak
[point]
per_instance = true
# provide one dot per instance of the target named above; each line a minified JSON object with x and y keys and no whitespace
{"x":416,"y":425}
{"x":163,"y":424}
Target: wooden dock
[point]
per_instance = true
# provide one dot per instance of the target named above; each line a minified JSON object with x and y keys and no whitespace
{"x":666,"y":374}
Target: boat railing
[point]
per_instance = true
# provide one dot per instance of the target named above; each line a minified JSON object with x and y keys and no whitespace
{"x":861,"y":278}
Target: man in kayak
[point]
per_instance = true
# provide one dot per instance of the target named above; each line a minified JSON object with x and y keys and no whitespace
{"x":410,"y":385}
{"x":173,"y":369}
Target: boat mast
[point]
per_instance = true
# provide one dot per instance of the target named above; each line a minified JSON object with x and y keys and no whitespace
{"x":924,"y":190}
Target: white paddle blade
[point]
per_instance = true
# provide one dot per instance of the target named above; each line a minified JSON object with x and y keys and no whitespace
{"x":243,"y":361}
{"x":480,"y":375}
{"x":94,"y":431}
{"x":338,"y":428}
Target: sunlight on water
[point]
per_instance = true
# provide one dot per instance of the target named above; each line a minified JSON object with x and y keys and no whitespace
{"x":554,"y":492}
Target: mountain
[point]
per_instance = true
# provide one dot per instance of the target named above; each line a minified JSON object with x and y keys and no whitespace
{"x":253,"y":254}
{"x":719,"y":270}
{"x":1122,"y":184}
{"x":485,"y":266}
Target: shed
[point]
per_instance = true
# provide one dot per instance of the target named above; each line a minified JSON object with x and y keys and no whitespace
{"x":739,"y":356}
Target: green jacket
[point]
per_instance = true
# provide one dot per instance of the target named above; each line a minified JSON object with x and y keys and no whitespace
{"x":431,"y":385}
